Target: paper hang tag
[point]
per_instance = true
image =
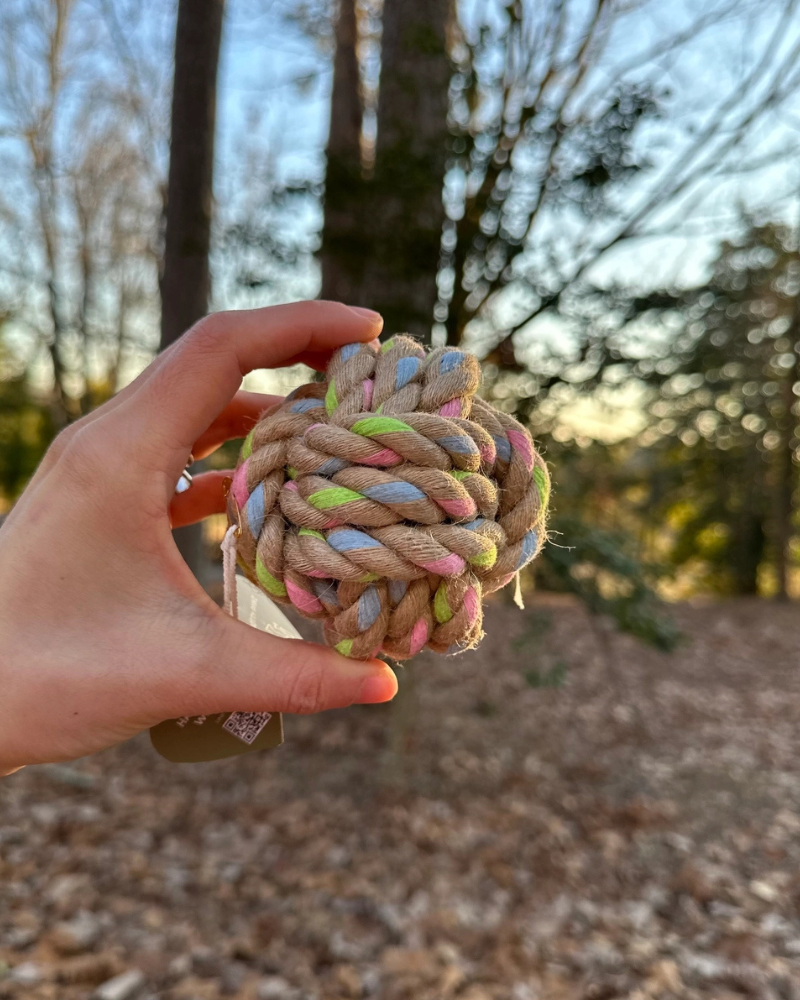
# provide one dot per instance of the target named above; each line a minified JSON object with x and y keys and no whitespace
{"x":227,"y":734}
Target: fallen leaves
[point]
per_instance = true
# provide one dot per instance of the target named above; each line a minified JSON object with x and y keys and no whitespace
{"x":546,"y":844}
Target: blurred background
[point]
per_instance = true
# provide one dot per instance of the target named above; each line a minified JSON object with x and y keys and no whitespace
{"x":601,"y":198}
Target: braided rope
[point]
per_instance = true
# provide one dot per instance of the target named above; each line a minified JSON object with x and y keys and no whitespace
{"x":388,"y":499}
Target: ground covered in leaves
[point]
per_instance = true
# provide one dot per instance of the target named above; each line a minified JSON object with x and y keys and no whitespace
{"x":562,"y":814}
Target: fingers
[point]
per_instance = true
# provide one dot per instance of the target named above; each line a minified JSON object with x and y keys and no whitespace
{"x":235,"y":421}
{"x":200,"y":377}
{"x":259,"y":672}
{"x":206,"y":496}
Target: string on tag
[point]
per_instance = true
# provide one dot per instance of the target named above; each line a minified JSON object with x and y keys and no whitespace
{"x":228,"y":546}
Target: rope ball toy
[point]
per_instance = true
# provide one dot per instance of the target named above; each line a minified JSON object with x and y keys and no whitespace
{"x":387,"y":499}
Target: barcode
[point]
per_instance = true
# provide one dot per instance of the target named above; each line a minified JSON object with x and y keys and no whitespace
{"x":246,"y":726}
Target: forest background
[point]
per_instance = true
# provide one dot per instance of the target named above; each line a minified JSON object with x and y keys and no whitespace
{"x":599,"y":197}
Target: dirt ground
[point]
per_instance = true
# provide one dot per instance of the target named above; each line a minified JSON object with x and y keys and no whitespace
{"x":561,"y":814}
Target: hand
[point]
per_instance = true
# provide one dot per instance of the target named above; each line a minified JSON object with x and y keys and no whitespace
{"x":103,"y":629}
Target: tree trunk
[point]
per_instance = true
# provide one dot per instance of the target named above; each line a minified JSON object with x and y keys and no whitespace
{"x":748,"y":553}
{"x":185,"y":282}
{"x":785,"y":482}
{"x":345,"y":244}
{"x":406,"y":207}
{"x":748,"y":541}
{"x":382,"y":236}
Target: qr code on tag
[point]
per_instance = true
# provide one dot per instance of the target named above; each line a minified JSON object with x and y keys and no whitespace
{"x":246,"y":726}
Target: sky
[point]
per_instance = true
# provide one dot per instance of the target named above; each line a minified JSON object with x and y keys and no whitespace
{"x":264,"y":56}
{"x":274,"y":86}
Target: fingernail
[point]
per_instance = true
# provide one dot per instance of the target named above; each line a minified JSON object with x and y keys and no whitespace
{"x":377,"y":688}
{"x":369,"y":314}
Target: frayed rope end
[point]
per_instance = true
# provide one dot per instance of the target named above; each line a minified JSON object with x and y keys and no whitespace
{"x":518,"y":593}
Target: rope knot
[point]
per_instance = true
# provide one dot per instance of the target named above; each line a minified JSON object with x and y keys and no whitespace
{"x":388,"y":499}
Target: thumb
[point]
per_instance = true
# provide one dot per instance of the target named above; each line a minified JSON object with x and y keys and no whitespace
{"x":254,"y":671}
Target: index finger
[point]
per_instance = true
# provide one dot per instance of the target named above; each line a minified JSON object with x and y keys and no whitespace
{"x":206,"y":366}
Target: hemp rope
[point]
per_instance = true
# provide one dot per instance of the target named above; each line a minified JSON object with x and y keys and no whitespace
{"x":386,"y":500}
